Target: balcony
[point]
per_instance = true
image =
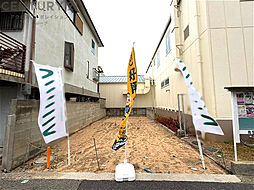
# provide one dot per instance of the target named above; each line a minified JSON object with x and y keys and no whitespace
{"x":12,"y":56}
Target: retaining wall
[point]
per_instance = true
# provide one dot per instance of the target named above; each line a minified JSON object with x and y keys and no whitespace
{"x":23,"y":139}
{"x":120,"y":112}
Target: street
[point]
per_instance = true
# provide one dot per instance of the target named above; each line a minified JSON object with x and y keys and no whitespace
{"x":58,"y":184}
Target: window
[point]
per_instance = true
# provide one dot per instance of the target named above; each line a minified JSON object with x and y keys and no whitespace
{"x":69,"y":10}
{"x":71,"y":13}
{"x":166,"y":82}
{"x":69,"y":56}
{"x":162,"y":84}
{"x":158,"y":59}
{"x":186,"y":32}
{"x":79,"y":23}
{"x":168,"y":42}
{"x":93,"y":47}
{"x":87,"y":75}
{"x":11,"y":20}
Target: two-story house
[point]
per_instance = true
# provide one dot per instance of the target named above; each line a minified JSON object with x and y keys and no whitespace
{"x":215,"y":41}
{"x":59,"y":33}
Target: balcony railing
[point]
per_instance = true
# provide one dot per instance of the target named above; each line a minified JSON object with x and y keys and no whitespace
{"x":12,"y":54}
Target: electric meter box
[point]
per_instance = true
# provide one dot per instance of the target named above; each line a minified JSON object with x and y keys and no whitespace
{"x":26,"y":88}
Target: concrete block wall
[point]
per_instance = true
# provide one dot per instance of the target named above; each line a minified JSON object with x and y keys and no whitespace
{"x":120,"y":112}
{"x":80,"y":114}
{"x":150,"y":113}
{"x":23,"y":139}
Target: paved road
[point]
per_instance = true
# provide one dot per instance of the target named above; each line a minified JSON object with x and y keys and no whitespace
{"x":60,"y":184}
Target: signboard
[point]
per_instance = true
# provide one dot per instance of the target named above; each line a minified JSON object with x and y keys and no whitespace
{"x":245,"y":107}
{"x":242,"y":112}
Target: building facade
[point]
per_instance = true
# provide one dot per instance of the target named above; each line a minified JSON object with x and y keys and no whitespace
{"x":58,"y":33}
{"x":114,"y":90}
{"x":215,"y":41}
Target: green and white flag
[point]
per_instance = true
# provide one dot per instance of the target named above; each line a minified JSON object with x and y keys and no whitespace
{"x":51,"y":118}
{"x":202,"y":120}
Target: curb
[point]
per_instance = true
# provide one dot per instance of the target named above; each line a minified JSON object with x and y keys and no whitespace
{"x":218,"y":178}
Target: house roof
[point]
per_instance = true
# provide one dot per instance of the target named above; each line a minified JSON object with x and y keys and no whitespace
{"x":118,"y":79}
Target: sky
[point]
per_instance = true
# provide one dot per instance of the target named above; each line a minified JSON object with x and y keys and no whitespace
{"x":122,"y":22}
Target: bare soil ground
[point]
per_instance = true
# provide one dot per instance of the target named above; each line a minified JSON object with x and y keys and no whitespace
{"x":150,"y":146}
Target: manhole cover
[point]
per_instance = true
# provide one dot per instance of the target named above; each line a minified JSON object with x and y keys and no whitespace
{"x":43,"y":160}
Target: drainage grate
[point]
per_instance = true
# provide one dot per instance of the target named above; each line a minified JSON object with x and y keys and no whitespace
{"x":211,"y":149}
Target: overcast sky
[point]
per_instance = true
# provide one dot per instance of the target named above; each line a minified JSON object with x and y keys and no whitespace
{"x":120,"y":23}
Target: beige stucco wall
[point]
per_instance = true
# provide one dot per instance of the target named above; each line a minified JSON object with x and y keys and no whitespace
{"x":49,"y":48}
{"x":218,"y":53}
{"x":113,"y":93}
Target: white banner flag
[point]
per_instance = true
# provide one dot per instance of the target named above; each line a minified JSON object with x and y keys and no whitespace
{"x":51,"y":118}
{"x":202,"y":120}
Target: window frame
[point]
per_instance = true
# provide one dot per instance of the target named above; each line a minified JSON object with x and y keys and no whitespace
{"x":88,"y":67}
{"x":21,"y":20}
{"x":168,"y":45}
{"x":158,"y":59}
{"x":93,"y":48}
{"x":186,"y":32}
{"x":75,"y":13}
{"x":71,"y":65}
{"x":163,"y":83}
{"x":167,"y":79}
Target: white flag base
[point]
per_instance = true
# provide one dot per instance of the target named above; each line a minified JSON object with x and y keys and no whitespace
{"x":125,"y":172}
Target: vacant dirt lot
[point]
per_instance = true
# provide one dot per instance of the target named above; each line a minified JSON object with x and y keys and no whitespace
{"x":149,"y":146}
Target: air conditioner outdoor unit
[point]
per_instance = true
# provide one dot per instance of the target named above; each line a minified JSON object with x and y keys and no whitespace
{"x":95,"y":75}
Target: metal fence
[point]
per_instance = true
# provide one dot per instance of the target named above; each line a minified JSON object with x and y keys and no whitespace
{"x":12,"y":54}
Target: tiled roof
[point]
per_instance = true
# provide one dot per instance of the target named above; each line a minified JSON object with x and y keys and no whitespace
{"x":118,"y":79}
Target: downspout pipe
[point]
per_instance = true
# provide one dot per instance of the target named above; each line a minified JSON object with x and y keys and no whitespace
{"x":199,"y":57}
{"x":199,"y":50}
{"x":29,"y":78}
{"x":31,"y":51}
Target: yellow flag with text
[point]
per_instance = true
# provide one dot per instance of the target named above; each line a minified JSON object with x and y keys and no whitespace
{"x":132,"y":81}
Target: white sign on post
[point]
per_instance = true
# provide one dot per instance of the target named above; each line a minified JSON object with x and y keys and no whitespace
{"x":242,"y":113}
{"x":51,"y":118}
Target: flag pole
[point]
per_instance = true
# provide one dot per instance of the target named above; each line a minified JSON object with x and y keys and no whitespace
{"x":125,"y":151}
{"x":67,"y":129}
{"x":200,"y":151}
{"x":69,"y":151}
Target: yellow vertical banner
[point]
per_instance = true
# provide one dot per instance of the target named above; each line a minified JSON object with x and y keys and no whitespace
{"x":132,"y":81}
